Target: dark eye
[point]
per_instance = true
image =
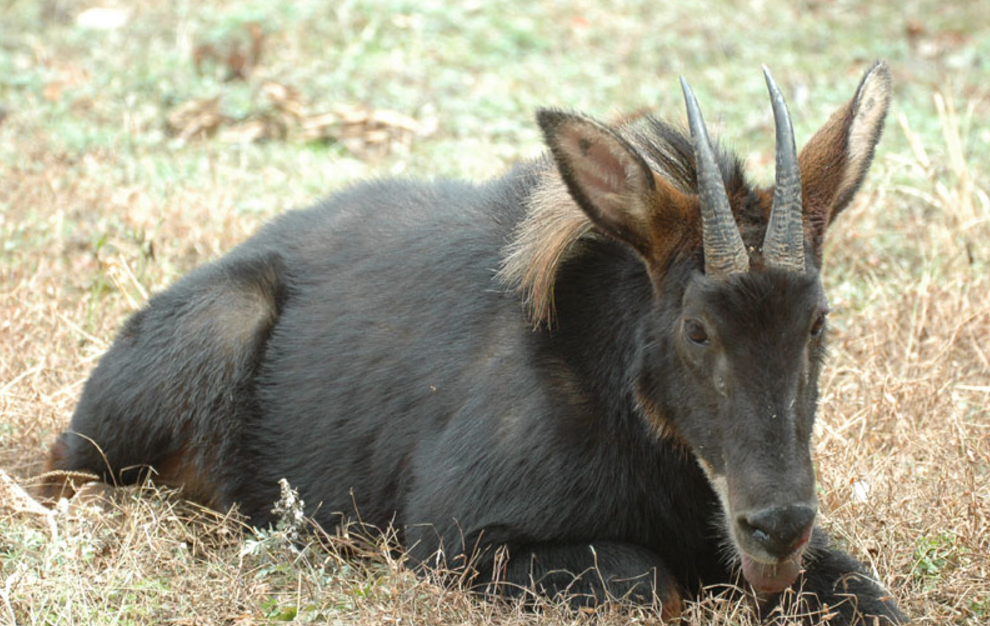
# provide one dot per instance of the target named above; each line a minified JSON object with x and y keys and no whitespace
{"x":695,"y":332}
{"x":818,"y":326}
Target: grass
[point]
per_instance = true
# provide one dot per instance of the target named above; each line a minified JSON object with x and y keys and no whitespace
{"x":101,"y":204}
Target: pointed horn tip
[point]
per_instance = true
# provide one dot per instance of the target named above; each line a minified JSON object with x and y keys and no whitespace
{"x":696,"y":121}
{"x":686,"y":88}
{"x":771,"y":83}
{"x":772,"y":87}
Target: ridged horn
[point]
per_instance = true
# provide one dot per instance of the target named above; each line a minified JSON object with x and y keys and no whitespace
{"x":783,"y":245}
{"x":725,"y":253}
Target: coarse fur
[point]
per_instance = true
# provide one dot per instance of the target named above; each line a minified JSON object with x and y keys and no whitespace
{"x":534,"y":372}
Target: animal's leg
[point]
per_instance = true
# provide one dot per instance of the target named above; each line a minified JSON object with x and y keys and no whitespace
{"x":171,"y":392}
{"x":586,"y":574}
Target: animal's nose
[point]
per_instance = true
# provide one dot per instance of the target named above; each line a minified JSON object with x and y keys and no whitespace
{"x":780,"y":530}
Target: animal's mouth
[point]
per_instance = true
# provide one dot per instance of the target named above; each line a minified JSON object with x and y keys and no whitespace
{"x":774,"y":577}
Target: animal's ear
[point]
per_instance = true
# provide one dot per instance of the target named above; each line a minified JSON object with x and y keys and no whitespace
{"x":834,"y":162}
{"x":605,"y":175}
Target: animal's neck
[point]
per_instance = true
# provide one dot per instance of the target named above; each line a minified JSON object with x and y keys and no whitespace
{"x":599,"y":297}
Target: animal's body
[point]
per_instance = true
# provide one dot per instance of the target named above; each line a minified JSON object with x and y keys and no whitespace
{"x":574,"y":363}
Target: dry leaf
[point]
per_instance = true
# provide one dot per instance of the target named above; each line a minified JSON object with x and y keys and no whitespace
{"x":17,"y":499}
{"x":284,"y":98}
{"x":196,"y":118}
{"x":259,"y":128}
{"x":365,"y":132}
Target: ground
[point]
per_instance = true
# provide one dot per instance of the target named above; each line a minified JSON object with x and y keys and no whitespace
{"x":139,"y":141}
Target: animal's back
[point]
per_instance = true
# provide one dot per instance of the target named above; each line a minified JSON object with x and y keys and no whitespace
{"x":391,"y":316}
{"x":182,"y":378}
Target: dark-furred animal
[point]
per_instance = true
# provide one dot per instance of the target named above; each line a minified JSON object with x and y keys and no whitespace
{"x":596,"y":374}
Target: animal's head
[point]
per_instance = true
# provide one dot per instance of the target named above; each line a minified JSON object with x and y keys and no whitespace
{"x":734,"y":342}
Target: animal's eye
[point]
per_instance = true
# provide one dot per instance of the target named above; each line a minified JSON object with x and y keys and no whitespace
{"x":695,"y":332}
{"x":818,"y":326}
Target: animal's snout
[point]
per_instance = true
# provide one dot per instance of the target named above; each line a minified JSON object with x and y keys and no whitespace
{"x":779,"y":530}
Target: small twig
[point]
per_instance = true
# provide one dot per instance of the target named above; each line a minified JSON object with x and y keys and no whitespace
{"x":101,"y":344}
{"x":28,"y":372}
{"x":5,"y":594}
{"x":24,"y":503}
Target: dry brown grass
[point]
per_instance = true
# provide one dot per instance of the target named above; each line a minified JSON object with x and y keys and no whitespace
{"x":903,"y":442}
{"x":903,"y":445}
{"x":905,"y":434}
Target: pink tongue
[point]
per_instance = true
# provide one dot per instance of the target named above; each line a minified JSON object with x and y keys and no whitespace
{"x":771,"y":578}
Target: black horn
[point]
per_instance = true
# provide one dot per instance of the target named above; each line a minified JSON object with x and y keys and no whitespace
{"x":724,"y":250}
{"x":783,"y":245}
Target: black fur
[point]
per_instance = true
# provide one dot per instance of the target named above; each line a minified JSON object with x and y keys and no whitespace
{"x":363,"y":350}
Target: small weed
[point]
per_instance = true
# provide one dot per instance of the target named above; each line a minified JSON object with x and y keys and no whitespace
{"x":980,"y":608}
{"x":271,"y":610}
{"x":935,"y":556}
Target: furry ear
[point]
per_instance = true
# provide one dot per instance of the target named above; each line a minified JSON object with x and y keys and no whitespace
{"x":835,"y":161}
{"x":605,"y":175}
